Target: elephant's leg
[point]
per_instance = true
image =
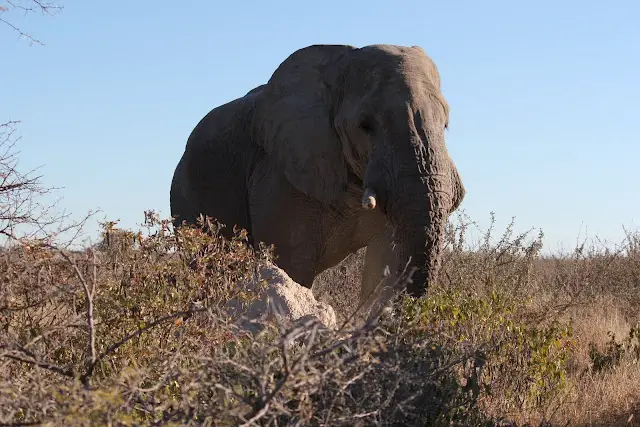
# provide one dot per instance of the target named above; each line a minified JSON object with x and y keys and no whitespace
{"x":297,"y":263}
{"x":284,"y":217}
{"x":376,"y":289}
{"x":295,"y":253}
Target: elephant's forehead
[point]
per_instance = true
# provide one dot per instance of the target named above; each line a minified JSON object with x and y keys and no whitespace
{"x":389,"y":63}
{"x":394,"y":56}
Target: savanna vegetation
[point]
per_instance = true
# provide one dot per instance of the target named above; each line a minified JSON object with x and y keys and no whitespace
{"x":133,"y":331}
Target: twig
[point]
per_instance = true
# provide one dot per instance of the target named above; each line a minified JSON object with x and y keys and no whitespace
{"x":23,"y":34}
{"x":46,"y":8}
{"x":113,"y":347}
{"x":89,"y":292}
{"x":257,"y":416}
{"x":25,"y":356}
{"x":27,"y":423}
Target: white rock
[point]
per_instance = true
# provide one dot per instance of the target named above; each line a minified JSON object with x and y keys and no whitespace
{"x":281,"y":296}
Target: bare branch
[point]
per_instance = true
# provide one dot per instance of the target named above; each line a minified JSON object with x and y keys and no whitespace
{"x":26,"y":356}
{"x":113,"y":347}
{"x":26,"y":7}
{"x":89,"y":293}
{"x":22,"y":34}
{"x":23,"y":215}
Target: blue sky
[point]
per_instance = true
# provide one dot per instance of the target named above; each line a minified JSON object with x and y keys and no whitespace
{"x":545,"y":118}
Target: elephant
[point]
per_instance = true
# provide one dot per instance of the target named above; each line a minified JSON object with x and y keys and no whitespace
{"x":342,"y":148}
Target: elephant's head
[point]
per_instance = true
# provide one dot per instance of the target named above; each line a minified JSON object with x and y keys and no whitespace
{"x":333,"y":115}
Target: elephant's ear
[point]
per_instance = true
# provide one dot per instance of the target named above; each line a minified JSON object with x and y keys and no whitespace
{"x":458,"y":189}
{"x":295,"y":123}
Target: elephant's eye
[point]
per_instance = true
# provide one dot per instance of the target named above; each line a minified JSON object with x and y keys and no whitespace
{"x":367,"y":126}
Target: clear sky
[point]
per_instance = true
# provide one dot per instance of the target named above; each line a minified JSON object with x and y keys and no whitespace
{"x":545,"y":112}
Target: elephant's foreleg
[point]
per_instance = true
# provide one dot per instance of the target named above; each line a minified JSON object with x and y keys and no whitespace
{"x":376,"y":288}
{"x":282,"y":216}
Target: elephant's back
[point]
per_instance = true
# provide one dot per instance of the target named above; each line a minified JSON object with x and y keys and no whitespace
{"x":222,"y":124}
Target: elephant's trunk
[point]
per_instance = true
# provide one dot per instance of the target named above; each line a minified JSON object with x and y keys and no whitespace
{"x":419,"y":215}
{"x":419,"y":246}
{"x":417,"y":202}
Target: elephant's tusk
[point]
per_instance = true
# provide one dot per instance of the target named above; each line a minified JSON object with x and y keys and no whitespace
{"x":369,"y":199}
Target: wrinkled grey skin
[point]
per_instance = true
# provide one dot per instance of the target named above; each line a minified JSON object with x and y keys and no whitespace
{"x":290,"y":162}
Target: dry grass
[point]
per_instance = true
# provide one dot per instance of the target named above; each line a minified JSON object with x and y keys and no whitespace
{"x":611,"y":396}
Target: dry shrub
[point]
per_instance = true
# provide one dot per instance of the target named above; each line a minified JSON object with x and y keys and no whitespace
{"x":82,"y":317}
{"x":593,"y":272}
{"x":133,"y":332}
{"x":572,"y":357}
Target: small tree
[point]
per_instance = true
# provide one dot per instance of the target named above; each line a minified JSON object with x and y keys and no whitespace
{"x":24,"y":214}
{"x":21,"y":212}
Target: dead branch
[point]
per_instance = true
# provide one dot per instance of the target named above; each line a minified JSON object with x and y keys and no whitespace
{"x":21,"y":354}
{"x":26,"y":7}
